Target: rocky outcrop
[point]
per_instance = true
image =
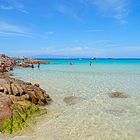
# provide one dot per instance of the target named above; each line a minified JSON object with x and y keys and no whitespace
{"x":19,"y":100}
{"x":19,"y":90}
{"x":35,"y":61}
{"x":6,"y":63}
{"x":16,"y":116}
{"x":24,"y":65}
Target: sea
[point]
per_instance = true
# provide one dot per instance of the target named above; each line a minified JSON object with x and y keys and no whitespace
{"x":93,"y":114}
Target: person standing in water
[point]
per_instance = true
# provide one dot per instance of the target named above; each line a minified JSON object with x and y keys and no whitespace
{"x":90,"y":63}
{"x":32,"y":65}
{"x":38,"y":65}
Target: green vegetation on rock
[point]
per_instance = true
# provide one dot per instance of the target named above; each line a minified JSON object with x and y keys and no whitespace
{"x":22,"y":114}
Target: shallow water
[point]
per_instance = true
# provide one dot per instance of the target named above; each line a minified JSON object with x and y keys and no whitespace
{"x":95,"y":116}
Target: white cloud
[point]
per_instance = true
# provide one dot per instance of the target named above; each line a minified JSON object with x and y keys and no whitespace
{"x":7,"y":29}
{"x":13,"y":5}
{"x":117,"y":9}
{"x":10,"y":28}
{"x":82,"y":51}
{"x":3,"y":7}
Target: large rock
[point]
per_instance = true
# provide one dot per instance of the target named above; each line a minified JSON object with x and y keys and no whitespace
{"x":16,"y":116}
{"x":17,"y":98}
{"x":19,"y":87}
{"x":15,"y":90}
{"x":5,"y":110}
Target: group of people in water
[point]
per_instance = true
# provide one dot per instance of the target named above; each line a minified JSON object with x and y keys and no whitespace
{"x":90,"y":63}
{"x":38,"y":65}
{"x":70,"y":63}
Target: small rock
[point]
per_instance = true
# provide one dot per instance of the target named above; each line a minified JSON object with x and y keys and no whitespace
{"x":15,"y":90}
{"x":33,"y":98}
{"x":1,"y":89}
{"x":118,"y":95}
{"x":21,"y":91}
{"x":26,"y":96}
{"x":37,"y":85}
{"x":28,"y":83}
{"x":16,"y":98}
{"x":5,"y":89}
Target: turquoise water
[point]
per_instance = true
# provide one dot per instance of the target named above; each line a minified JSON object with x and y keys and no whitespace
{"x":94,"y":116}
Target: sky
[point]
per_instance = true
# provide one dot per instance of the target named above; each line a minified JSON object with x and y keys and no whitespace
{"x":70,"y":28}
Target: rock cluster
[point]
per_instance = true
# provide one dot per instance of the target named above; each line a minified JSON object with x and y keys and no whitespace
{"x":19,"y":100}
{"x":18,"y":90}
{"x":6,"y":63}
{"x":24,"y":65}
{"x":34,"y":61}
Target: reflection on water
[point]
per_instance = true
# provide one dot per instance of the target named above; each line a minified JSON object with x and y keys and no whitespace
{"x":96,"y":116}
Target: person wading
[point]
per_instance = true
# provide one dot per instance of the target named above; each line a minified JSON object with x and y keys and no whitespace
{"x":38,"y":65}
{"x":32,"y":65}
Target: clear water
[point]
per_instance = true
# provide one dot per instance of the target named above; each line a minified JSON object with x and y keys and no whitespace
{"x":95,"y":116}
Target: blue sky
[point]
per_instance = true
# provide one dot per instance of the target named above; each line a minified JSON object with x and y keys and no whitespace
{"x":72,"y":28}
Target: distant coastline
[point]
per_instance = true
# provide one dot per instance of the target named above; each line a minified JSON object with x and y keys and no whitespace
{"x":44,"y":58}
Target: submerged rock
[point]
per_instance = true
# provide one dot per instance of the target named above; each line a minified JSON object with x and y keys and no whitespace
{"x":70,"y":100}
{"x":116,"y":112}
{"x":118,"y":95}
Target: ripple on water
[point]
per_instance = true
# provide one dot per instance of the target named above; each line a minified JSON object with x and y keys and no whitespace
{"x":97,"y":117}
